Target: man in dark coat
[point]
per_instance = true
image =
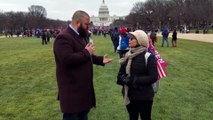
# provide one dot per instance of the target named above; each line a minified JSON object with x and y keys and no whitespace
{"x":74,"y":57}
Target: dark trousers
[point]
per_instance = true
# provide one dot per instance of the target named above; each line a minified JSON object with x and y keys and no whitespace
{"x":140,"y":107}
{"x":115,"y":44}
{"x":76,"y":116}
{"x":165,"y":39}
{"x":44,"y":41}
{"x":174,"y":43}
{"x":122,"y":53}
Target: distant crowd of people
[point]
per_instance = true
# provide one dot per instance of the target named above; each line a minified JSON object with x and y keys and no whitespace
{"x":44,"y":34}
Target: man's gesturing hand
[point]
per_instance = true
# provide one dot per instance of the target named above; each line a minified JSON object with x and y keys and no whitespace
{"x":106,"y":59}
{"x":90,"y":48}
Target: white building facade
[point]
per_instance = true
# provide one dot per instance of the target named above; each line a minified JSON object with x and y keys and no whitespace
{"x":103,"y":18}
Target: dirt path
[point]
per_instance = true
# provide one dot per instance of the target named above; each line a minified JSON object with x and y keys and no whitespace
{"x":193,"y":36}
{"x":189,"y":36}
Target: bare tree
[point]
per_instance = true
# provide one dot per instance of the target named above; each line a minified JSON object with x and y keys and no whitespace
{"x":17,"y":22}
{"x":3,"y":19}
{"x":11,"y":23}
{"x":151,"y":14}
{"x":37,"y":15}
{"x":176,"y":13}
{"x":173,"y":13}
{"x":37,"y":11}
{"x":136,"y":15}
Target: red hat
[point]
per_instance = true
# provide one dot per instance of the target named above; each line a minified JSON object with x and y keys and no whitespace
{"x":122,"y":31}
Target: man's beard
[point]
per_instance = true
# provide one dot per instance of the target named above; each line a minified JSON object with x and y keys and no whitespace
{"x":83,"y":32}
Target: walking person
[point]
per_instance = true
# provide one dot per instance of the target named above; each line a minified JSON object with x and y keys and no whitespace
{"x":174,"y":38}
{"x":74,"y":57}
{"x":137,"y":77}
{"x":153,"y":37}
{"x":165,"y":35}
{"x":123,"y":45}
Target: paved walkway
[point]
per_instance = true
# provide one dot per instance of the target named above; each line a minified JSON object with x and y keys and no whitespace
{"x":193,"y":36}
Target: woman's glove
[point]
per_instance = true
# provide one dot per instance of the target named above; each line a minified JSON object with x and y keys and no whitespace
{"x":126,"y":80}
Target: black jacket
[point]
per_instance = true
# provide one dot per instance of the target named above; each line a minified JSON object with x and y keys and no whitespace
{"x":142,"y":77}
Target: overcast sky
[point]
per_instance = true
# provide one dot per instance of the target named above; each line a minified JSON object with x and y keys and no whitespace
{"x":64,"y":9}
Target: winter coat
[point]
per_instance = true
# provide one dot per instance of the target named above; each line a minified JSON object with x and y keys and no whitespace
{"x":142,"y":77}
{"x":74,"y":72}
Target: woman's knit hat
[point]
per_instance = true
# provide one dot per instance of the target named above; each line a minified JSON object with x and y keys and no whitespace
{"x":141,"y":37}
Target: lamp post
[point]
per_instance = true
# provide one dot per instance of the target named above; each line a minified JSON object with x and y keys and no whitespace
{"x":137,"y":25}
{"x":149,"y":13}
{"x":169,"y":23}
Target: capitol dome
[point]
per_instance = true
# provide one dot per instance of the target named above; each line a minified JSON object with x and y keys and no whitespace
{"x":103,"y":18}
{"x":103,"y":12}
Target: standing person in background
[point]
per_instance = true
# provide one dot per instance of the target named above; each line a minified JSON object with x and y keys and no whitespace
{"x":115,"y":38}
{"x":123,"y":45}
{"x":165,"y":34}
{"x":44,"y":37}
{"x":48,"y":35}
{"x":153,"y":37}
{"x":174,"y":38}
{"x":74,"y":57}
{"x":137,"y":77}
{"x":5,"y":34}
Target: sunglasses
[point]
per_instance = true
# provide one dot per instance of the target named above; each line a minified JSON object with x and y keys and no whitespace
{"x":132,"y":38}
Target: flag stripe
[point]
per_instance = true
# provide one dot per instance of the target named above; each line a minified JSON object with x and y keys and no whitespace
{"x":161,"y":70}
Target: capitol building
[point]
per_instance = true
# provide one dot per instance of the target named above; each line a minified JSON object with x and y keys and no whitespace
{"x":103,"y":18}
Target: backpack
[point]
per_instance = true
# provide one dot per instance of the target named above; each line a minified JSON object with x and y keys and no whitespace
{"x":156,"y":84}
{"x":161,"y":65}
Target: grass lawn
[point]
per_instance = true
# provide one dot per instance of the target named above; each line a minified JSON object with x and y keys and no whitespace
{"x":28,"y":87}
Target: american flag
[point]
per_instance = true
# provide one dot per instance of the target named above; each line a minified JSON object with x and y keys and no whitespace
{"x":161,"y":64}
